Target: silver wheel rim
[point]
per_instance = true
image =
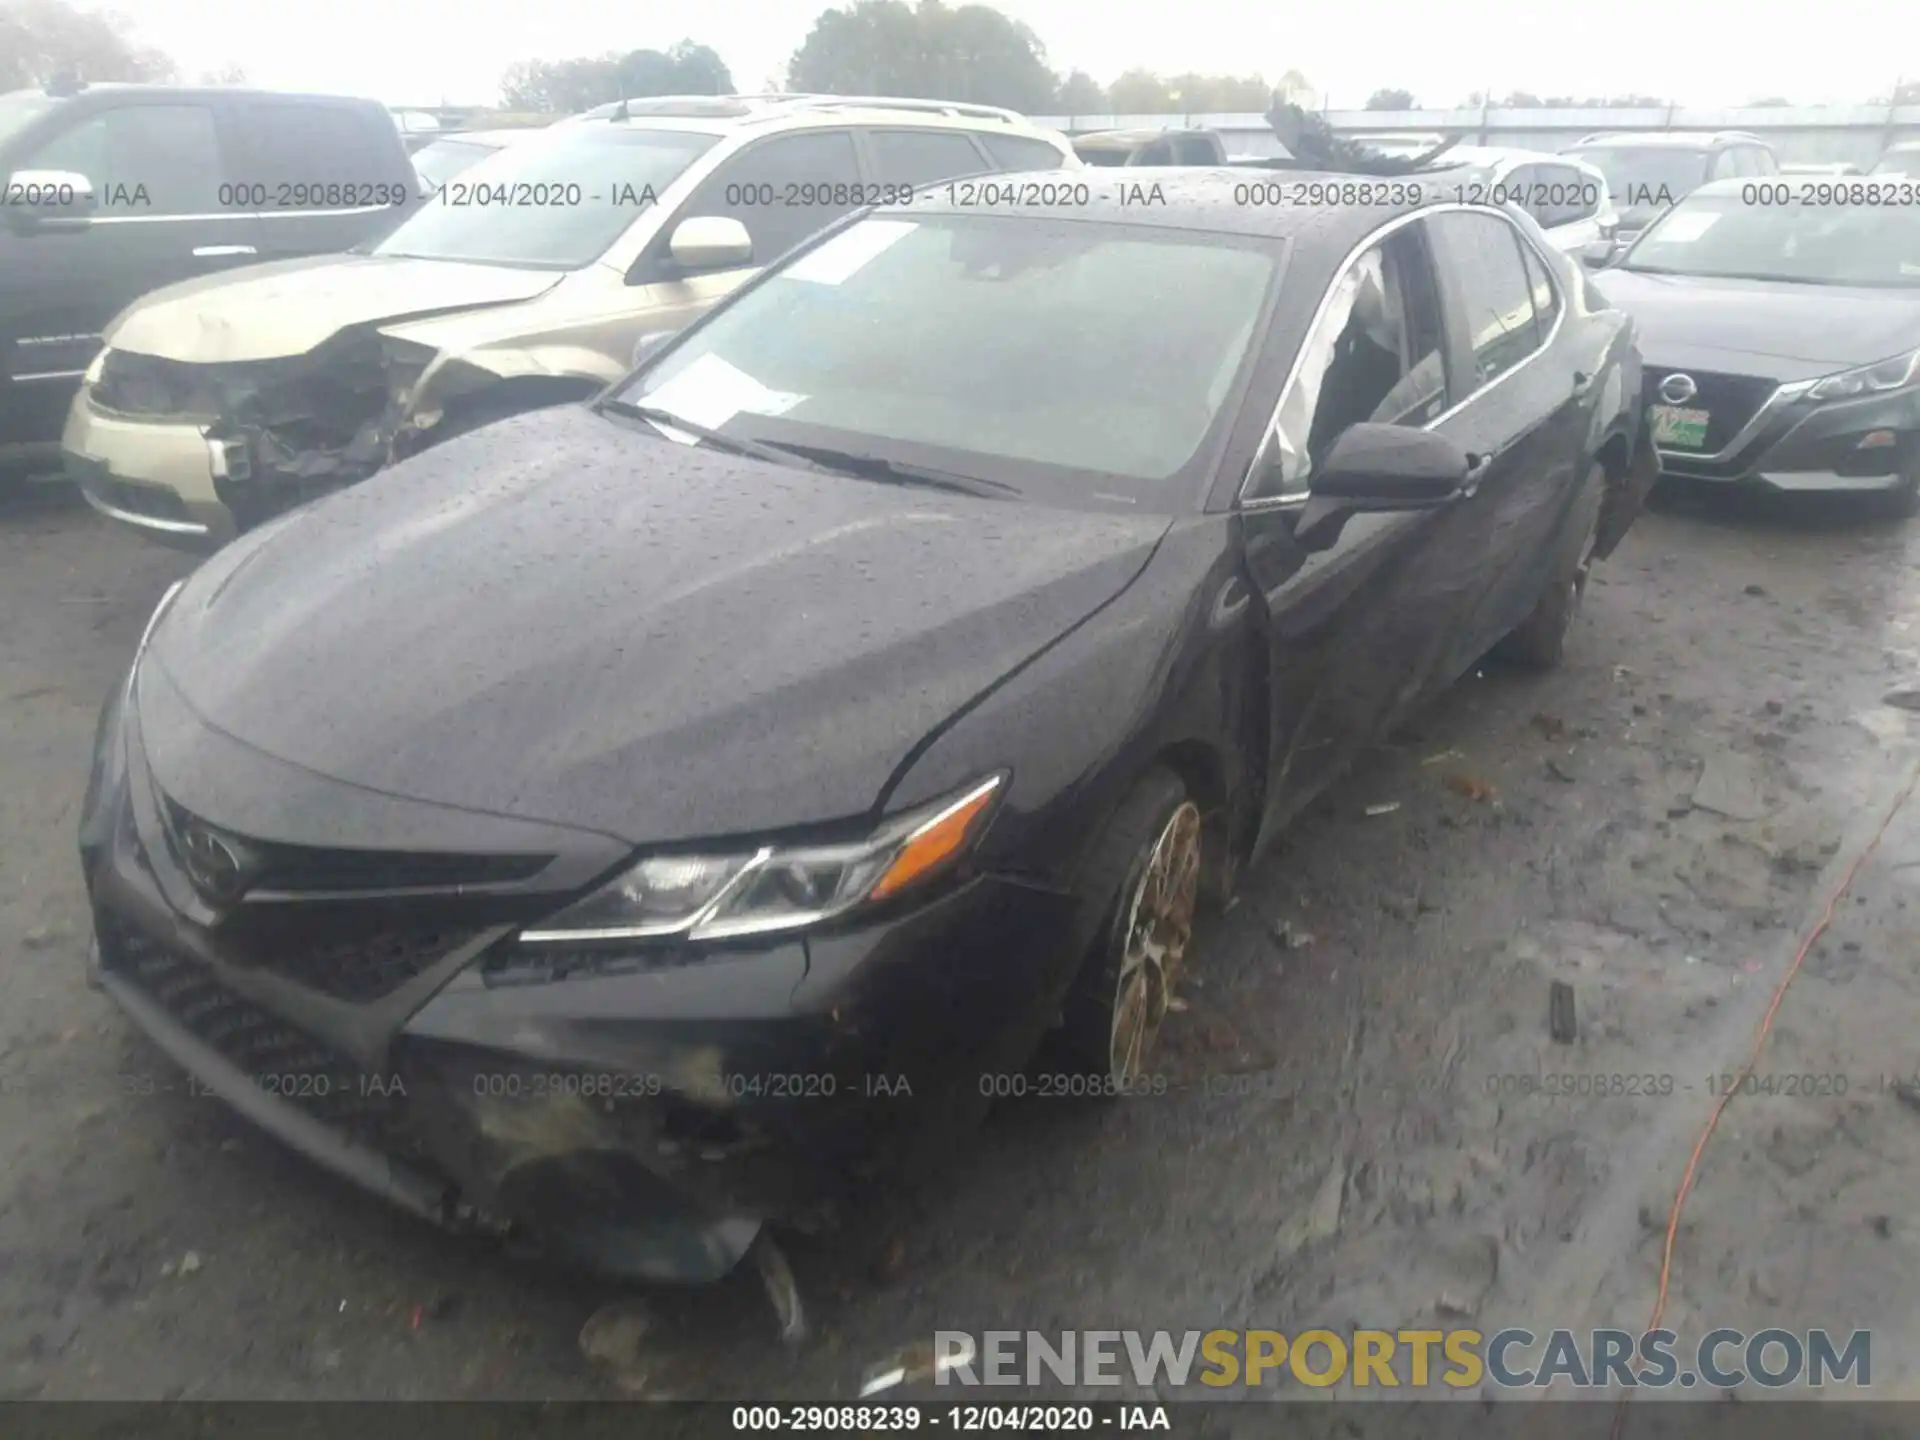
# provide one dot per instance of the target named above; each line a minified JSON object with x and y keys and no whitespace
{"x":1159,"y":930}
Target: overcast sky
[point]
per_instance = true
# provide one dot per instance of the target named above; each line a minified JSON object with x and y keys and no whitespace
{"x":1704,"y":52}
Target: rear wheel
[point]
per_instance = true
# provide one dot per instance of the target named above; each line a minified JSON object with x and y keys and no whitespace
{"x":1146,"y":866}
{"x":1540,"y":641}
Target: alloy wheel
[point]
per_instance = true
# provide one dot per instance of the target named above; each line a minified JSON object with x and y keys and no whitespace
{"x":1159,"y":929}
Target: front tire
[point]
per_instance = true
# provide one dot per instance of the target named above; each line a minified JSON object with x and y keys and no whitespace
{"x":1145,"y":870}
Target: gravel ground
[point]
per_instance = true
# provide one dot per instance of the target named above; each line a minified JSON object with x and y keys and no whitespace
{"x":1352,"y":1145}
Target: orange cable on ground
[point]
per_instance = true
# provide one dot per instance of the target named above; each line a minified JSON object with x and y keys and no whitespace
{"x":1838,"y":894}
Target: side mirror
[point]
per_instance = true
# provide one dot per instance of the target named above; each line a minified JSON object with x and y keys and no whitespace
{"x":47,"y":200}
{"x":1382,"y":468}
{"x":710,"y":242}
{"x":1598,"y":254}
{"x":647,"y":344}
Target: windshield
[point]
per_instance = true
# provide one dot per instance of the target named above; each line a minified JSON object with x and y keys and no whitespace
{"x":1024,"y":350}
{"x":1815,"y":244}
{"x":1654,"y":176}
{"x":555,"y":202}
{"x":444,"y":159}
{"x":19,"y":109}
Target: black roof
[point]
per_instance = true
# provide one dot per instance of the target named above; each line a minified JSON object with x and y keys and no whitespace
{"x":1210,"y":198}
{"x":107,"y":90}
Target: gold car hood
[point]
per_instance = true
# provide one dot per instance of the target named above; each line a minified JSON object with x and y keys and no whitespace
{"x":287,"y":307}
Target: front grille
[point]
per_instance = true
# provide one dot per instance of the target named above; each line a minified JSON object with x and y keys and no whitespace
{"x":321,"y":870}
{"x":361,"y":968}
{"x":309,"y":870}
{"x":1729,"y":400}
{"x":283,"y":1060}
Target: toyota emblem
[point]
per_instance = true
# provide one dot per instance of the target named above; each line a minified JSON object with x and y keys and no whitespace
{"x":211,"y":863}
{"x":1678,"y":389}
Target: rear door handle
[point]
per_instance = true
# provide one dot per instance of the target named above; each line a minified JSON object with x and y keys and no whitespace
{"x":215,"y":252}
{"x":1583,"y":384}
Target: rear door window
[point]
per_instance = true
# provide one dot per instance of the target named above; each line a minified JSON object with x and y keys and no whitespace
{"x":1021,"y":152}
{"x":312,"y":156}
{"x":923,"y":157}
{"x":1546,"y":296}
{"x":1482,"y":254}
{"x":143,"y":159}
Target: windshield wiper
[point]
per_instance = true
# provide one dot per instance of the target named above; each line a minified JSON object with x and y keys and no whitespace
{"x":899,"y":472}
{"x":818,"y":458}
{"x":708,"y":436}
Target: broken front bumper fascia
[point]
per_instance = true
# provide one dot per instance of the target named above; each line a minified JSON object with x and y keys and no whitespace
{"x":157,"y":478}
{"x":644,"y":1123}
{"x":195,"y":454}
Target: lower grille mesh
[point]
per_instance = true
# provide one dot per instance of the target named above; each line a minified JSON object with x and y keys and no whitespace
{"x":280,"y":1059}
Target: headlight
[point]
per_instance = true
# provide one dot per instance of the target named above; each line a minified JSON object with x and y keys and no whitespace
{"x":406,"y":362}
{"x":1894,"y":374}
{"x":722,"y":896}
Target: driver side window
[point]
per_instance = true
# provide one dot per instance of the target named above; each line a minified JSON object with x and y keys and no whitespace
{"x":1376,"y":355}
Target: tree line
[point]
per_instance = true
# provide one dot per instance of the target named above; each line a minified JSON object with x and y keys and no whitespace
{"x":929,"y":49}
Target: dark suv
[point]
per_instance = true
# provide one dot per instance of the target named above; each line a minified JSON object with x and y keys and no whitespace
{"x":1648,"y":172}
{"x":114,"y":190}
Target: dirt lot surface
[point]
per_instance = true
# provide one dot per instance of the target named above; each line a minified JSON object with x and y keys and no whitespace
{"x":1360,"y":1134}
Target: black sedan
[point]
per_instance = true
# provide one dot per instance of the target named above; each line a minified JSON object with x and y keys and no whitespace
{"x":1781,"y":325}
{"x":640,"y":822}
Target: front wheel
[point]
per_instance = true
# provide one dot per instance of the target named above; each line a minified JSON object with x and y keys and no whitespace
{"x":1147,"y":865}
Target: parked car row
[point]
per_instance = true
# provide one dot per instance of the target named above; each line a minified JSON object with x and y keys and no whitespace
{"x":787,"y":623}
{"x":117,"y":190}
{"x":528,"y":282}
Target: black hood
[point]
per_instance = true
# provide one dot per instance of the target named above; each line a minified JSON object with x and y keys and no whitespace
{"x":1780,"y":331}
{"x":560,"y":619}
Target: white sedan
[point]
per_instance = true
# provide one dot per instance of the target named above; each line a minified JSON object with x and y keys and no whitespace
{"x":1566,"y":197}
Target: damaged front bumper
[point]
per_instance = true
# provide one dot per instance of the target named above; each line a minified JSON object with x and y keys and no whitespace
{"x":158,"y":478}
{"x":644,"y":1118}
{"x":195,"y":454}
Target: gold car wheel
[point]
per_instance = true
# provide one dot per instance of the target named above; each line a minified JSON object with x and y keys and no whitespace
{"x":1159,"y":929}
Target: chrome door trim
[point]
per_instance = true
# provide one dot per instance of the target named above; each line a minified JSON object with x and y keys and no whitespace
{"x":1547,"y":259}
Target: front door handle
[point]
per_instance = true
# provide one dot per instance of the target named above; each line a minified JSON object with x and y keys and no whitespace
{"x":215,"y":252}
{"x":1477,"y":468}
{"x":1583,"y":384}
